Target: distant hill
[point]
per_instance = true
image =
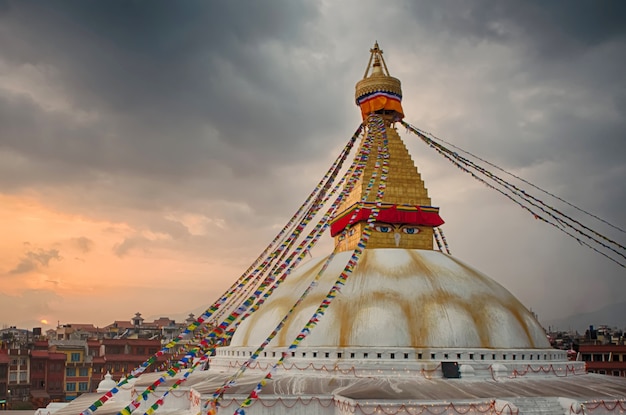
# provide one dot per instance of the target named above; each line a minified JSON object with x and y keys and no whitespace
{"x":613,"y":315}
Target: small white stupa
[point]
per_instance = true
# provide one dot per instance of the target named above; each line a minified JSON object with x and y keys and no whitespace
{"x":106,"y":384}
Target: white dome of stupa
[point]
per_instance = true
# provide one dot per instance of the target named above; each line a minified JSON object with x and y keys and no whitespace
{"x":398,"y":298}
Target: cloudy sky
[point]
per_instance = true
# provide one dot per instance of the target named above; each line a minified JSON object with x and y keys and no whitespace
{"x":150,"y":150}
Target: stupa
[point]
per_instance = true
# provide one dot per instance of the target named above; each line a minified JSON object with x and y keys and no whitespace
{"x":405,"y":327}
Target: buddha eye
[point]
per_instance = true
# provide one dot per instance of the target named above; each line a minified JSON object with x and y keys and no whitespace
{"x":384,"y":228}
{"x":411,"y":230}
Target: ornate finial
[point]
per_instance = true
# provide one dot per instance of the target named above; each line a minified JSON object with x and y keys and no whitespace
{"x":376,"y":54}
{"x":379,"y":91}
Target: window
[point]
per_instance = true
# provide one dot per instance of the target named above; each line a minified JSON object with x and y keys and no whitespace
{"x":83,"y":371}
{"x":70,"y":387}
{"x":82,"y":386}
{"x":70,"y":371}
{"x":75,"y":357}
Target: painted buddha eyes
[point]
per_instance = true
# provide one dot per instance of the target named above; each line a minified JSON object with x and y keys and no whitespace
{"x":384,"y":228}
{"x":387,"y":228}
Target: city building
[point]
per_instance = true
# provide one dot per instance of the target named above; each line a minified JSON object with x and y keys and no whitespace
{"x":18,"y":386}
{"x":605,"y":359}
{"x":77,"y":365}
{"x":12,"y":337}
{"x":74,"y":332}
{"x":120,"y":356}
{"x":4,"y":377}
{"x":47,"y":375}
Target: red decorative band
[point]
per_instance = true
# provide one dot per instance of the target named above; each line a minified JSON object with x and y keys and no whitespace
{"x":405,"y":214}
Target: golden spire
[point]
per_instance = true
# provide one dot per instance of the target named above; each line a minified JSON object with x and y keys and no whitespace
{"x":406,"y":219}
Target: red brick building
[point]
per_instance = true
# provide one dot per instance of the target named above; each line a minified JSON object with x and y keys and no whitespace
{"x":47,"y":377}
{"x":4,"y":376}
{"x":120,"y":356}
{"x":605,"y":359}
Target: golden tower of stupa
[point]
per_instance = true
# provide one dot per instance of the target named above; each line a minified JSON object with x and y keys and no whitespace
{"x":406,"y":219}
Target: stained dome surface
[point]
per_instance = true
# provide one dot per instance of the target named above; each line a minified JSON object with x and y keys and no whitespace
{"x":397,"y":298}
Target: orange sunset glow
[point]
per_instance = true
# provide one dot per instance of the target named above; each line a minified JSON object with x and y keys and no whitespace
{"x":49,"y":264}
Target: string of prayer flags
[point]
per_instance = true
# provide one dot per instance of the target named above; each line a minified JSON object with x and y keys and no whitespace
{"x":377,"y":127}
{"x":259,"y":265}
{"x":526,"y":201}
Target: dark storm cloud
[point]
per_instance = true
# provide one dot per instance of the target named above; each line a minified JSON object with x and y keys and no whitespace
{"x":549,"y":30}
{"x":557,"y":95}
{"x":33,"y":260}
{"x":167,"y":87}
